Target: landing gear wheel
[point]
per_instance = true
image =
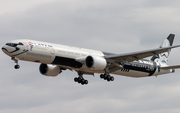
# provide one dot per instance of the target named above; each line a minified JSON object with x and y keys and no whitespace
{"x":16,"y":66}
{"x":79,"y":80}
{"x":112,"y":78}
{"x":101,"y":76}
{"x":108,"y":77}
{"x":82,"y":81}
{"x":75,"y":79}
{"x":105,"y":77}
{"x":85,"y":82}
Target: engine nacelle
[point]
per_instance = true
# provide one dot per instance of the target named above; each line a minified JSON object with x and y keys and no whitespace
{"x":49,"y":70}
{"x":96,"y":63}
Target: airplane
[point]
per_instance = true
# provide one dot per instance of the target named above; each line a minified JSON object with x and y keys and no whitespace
{"x":55,"y":58}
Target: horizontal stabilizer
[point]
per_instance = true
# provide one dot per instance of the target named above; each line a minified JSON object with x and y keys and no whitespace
{"x":171,"y":67}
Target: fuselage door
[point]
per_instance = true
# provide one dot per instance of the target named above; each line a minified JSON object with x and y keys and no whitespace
{"x":52,"y":51}
{"x":26,"y":46}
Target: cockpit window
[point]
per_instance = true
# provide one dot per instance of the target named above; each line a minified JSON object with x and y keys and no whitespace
{"x":12,"y":44}
{"x":7,"y":44}
{"x":20,"y":43}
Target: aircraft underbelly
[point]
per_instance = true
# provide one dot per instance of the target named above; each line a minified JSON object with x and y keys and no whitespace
{"x":132,"y":73}
{"x":137,"y":69}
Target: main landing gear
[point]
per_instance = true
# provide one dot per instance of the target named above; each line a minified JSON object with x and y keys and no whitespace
{"x":16,"y":61}
{"x":81,"y":80}
{"x":107,"y":77}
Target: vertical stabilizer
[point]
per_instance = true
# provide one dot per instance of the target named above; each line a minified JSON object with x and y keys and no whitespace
{"x":162,"y":58}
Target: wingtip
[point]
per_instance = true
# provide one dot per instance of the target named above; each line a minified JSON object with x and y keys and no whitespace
{"x":171,"y":38}
{"x":172,"y":34}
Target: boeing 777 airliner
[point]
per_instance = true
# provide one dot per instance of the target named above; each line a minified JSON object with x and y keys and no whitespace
{"x":55,"y":58}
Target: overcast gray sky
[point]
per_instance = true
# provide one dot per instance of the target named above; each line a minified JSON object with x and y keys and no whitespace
{"x":115,"y":26}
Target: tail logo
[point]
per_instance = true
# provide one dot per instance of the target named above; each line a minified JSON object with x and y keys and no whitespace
{"x":163,"y":57}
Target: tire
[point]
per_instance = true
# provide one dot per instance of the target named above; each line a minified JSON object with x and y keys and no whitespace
{"x":105,"y":77}
{"x":79,"y":80}
{"x":85,"y":82}
{"x":16,"y":66}
{"x":82,"y":81}
{"x":101,"y":76}
{"x":75,"y":79}
{"x":108,"y":77}
{"x":112,"y":78}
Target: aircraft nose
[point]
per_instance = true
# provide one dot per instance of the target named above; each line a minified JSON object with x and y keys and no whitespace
{"x":4,"y":49}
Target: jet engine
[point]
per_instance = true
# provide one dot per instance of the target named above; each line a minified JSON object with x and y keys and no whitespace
{"x":49,"y":70}
{"x":96,"y":63}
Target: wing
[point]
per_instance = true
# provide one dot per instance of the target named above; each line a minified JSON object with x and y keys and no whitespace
{"x":116,"y":59}
{"x":171,"y":67}
{"x":137,"y":55}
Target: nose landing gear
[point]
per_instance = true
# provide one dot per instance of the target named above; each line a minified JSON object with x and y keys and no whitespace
{"x":16,"y":66}
{"x":16,"y":61}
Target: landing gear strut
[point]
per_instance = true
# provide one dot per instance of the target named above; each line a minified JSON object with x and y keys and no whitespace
{"x":16,"y":61}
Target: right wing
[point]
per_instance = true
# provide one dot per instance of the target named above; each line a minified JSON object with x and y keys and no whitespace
{"x":171,"y":67}
{"x":117,"y":59}
{"x":137,"y":55}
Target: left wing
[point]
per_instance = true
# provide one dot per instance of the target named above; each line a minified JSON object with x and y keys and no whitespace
{"x":137,"y":55}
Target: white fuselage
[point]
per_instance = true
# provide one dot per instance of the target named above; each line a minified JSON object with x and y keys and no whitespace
{"x":67,"y":57}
